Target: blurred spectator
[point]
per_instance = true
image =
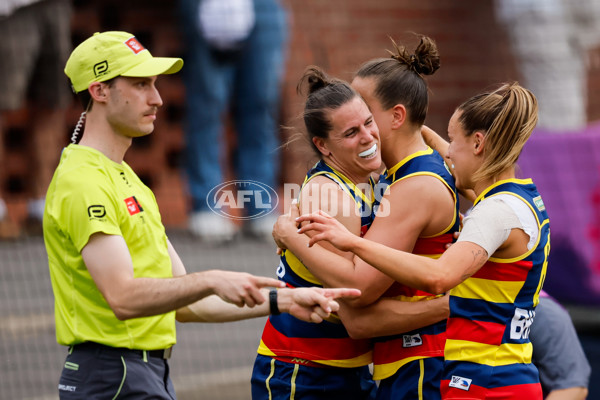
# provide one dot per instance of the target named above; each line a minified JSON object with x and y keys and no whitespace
{"x":557,"y":353}
{"x":236,"y":51}
{"x":550,"y":40}
{"x":36,"y":41}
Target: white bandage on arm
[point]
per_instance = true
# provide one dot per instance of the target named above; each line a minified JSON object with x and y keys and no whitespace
{"x":489,"y":224}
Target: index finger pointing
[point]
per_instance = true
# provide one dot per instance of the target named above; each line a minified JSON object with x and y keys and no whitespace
{"x":262,"y":281}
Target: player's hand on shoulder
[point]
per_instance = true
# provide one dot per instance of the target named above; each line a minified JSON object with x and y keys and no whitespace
{"x":455,"y":235}
{"x":327,"y":228}
{"x":286,"y":227}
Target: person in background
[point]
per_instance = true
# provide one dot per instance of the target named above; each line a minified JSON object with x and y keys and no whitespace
{"x":235,"y":52}
{"x":557,"y":353}
{"x":118,"y":283}
{"x":550,"y":41}
{"x":36,"y":41}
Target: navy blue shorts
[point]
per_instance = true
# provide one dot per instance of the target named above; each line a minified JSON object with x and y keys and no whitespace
{"x":277,"y":380}
{"x":94,"y":371}
{"x":418,"y":379}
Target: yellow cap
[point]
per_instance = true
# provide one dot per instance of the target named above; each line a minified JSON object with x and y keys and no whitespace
{"x":110,"y":54}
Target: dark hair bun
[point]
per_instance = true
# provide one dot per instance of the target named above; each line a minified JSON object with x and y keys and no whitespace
{"x":315,"y":79}
{"x":425,"y":60}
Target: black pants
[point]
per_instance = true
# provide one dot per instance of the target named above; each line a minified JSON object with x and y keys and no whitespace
{"x":94,"y":371}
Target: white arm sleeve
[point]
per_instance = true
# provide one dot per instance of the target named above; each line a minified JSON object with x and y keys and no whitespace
{"x":489,"y":224}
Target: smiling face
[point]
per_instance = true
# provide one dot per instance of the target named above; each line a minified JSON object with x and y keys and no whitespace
{"x":132,"y":106}
{"x":352,"y":145}
{"x":463,"y":153}
{"x":396,"y":130}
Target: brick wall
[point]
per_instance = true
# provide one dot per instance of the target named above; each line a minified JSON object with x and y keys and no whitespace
{"x":335,"y":34}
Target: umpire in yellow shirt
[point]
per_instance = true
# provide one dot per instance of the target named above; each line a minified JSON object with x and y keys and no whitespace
{"x":118,"y":283}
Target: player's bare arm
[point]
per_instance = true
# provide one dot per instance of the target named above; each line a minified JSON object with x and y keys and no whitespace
{"x":363,"y":321}
{"x":322,"y":193}
{"x":574,"y":393}
{"x":418,"y":206}
{"x":391,"y":317}
{"x":405,"y":219}
{"x":433,"y":276}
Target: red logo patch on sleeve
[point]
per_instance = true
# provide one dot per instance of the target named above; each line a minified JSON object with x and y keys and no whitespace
{"x":133,"y":206}
{"x":134,"y":45}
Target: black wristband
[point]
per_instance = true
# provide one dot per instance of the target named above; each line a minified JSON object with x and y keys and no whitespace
{"x":273,"y":302}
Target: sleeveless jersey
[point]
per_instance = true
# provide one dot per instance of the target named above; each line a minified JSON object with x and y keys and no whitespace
{"x":392,"y":352}
{"x":328,"y":343}
{"x":488,"y":347}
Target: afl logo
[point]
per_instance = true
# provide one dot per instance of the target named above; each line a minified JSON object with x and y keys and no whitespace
{"x":254,"y":199}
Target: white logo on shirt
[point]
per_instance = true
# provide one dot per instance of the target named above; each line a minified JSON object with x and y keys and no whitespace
{"x":521,"y":324}
{"x":280,"y":269}
{"x":460,"y":383}
{"x":411,"y":340}
{"x":67,"y":388}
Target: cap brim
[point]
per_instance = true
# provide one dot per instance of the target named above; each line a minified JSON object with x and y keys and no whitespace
{"x":155,"y":66}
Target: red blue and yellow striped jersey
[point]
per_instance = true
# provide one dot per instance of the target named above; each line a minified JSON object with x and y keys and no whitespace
{"x":487,"y":346}
{"x":328,"y":343}
{"x":392,"y":352}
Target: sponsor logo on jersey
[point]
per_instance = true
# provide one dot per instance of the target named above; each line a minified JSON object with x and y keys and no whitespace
{"x":67,"y":388}
{"x":235,"y":199}
{"x":460,"y":383}
{"x":539,"y":203}
{"x":521,"y":324}
{"x":96,"y":211}
{"x":133,"y":206}
{"x":411,"y":340}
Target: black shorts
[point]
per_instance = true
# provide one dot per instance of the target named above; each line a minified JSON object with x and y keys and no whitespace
{"x":94,"y":371}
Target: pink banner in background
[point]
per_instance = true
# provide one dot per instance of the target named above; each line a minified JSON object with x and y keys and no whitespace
{"x":566,"y":169}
